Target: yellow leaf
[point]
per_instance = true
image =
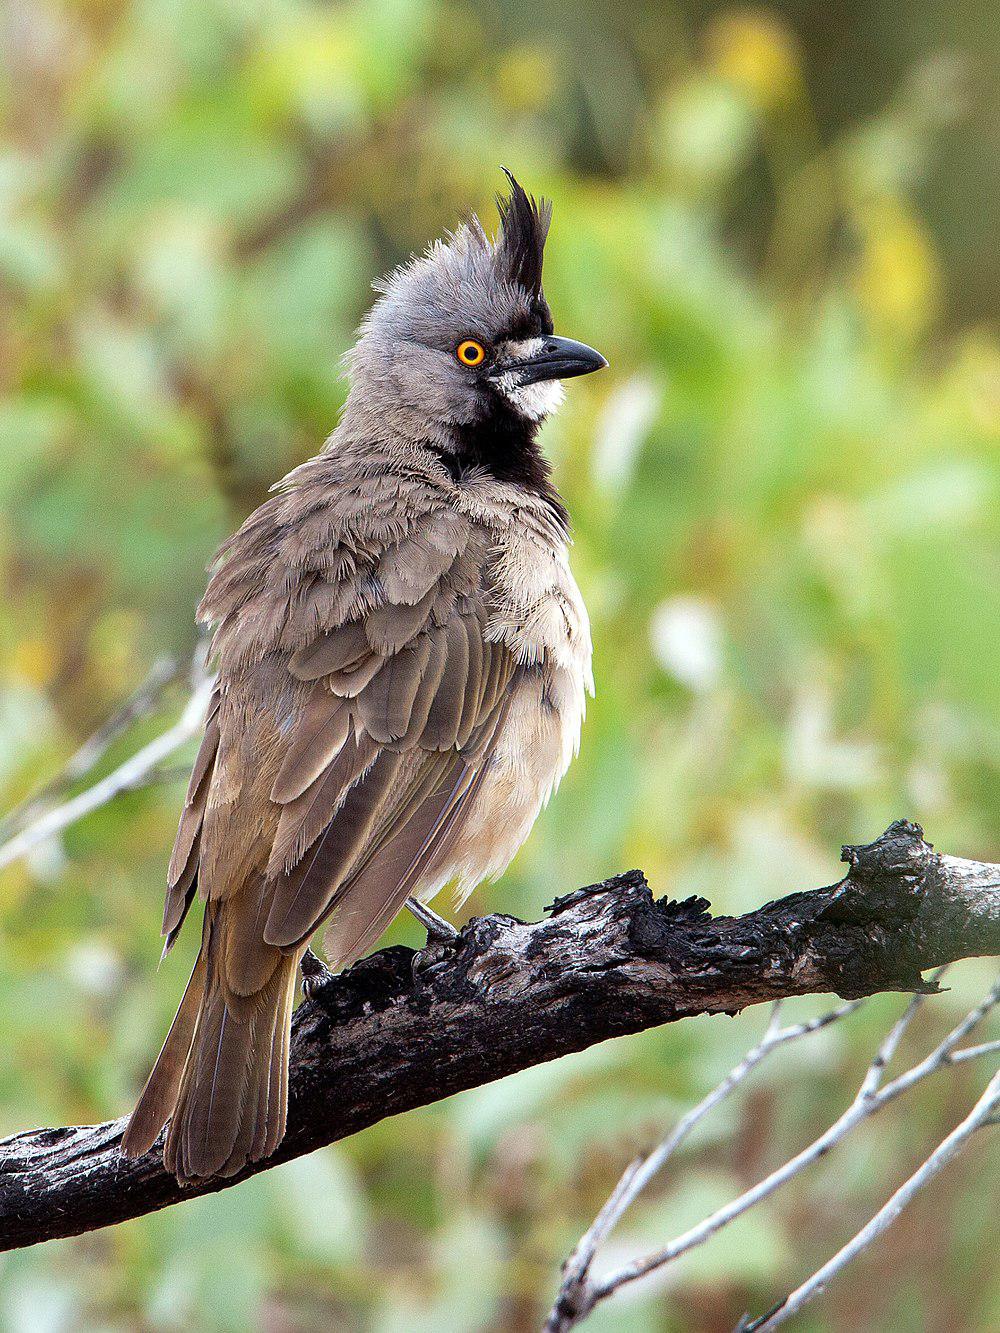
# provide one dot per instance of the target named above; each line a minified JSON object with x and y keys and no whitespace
{"x":897,"y":275}
{"x":527,"y":78}
{"x":758,"y":54}
{"x":33,"y":660}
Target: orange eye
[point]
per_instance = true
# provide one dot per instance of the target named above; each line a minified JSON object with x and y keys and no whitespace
{"x":470,"y":353}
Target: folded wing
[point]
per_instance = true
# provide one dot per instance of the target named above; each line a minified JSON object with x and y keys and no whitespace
{"x":404,"y":706}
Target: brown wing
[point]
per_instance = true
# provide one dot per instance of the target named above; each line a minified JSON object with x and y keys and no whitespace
{"x":182,"y":874}
{"x":390,"y":750}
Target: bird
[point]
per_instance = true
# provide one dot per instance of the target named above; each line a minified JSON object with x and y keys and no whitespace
{"x":403,"y":660}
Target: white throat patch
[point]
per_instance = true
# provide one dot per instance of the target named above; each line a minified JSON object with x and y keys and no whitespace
{"x":534,"y":401}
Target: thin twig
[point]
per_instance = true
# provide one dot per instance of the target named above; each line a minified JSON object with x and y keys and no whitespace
{"x":981,"y":1114}
{"x":641,"y":1171}
{"x":139,"y":704}
{"x":126,"y":777}
{"x":974,"y":1052}
{"x":945,"y":1053}
{"x":875,"y":1073}
{"x":578,"y":1294}
{"x":869,"y":1099}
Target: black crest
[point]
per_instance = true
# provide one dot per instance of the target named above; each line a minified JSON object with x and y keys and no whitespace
{"x":524,"y":224}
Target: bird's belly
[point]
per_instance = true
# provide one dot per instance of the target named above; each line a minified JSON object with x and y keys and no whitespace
{"x":539,"y":738}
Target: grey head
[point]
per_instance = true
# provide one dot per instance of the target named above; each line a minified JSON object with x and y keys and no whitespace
{"x":459,"y":353}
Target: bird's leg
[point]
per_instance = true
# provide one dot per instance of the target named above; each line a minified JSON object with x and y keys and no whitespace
{"x":315,"y":973}
{"x":438,"y":930}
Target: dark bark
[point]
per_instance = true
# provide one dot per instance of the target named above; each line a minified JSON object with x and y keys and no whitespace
{"x":403,"y":1028}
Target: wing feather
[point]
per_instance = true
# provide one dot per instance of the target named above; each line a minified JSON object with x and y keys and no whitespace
{"x":341,"y":649}
{"x":195,"y":801}
{"x":305,"y":818}
{"x":427,"y":689}
{"x":415,"y":850}
{"x":386,"y":705}
{"x":445,"y":715}
{"x":358,"y":838}
{"x":302,"y":895}
{"x":319,"y":738}
{"x":393,"y":625}
{"x":182,"y":873}
{"x":362,"y":909}
{"x":474,"y":626}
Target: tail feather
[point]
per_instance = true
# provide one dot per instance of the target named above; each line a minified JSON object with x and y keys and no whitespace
{"x":262,"y":1122}
{"x":209,"y":1110}
{"x":273,"y":1123}
{"x":232,"y":1103}
{"x":159,"y":1096}
{"x":222,"y":1076}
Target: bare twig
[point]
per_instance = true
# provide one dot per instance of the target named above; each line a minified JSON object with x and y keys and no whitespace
{"x":163,"y":673}
{"x":974,"y":1052}
{"x":134,"y":772}
{"x":641,"y":1171}
{"x":578,"y":1294}
{"x":983,"y":1113}
{"x":944,"y":1053}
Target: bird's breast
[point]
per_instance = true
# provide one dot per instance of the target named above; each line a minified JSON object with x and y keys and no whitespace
{"x":536,"y":609}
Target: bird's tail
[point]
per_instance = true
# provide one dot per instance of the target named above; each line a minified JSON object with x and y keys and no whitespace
{"x":222,"y":1075}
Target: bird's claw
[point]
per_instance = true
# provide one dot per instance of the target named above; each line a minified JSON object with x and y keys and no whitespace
{"x":439,"y":931}
{"x":315,"y":974}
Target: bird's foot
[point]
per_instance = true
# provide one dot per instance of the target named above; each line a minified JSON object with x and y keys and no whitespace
{"x":315,"y":974}
{"x":439,"y":931}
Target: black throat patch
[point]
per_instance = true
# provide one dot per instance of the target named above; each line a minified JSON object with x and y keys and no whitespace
{"x":503,"y":443}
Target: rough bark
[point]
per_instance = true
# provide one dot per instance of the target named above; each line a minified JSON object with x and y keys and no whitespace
{"x":403,"y":1028}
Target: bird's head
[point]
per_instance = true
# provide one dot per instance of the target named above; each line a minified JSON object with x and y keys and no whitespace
{"x":461,"y":339}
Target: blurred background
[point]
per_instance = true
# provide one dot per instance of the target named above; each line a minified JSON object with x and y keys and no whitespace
{"x":779,"y":224}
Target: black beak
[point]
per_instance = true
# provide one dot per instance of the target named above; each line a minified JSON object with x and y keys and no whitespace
{"x":556,"y":359}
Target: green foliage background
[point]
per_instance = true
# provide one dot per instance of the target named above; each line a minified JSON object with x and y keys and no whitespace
{"x":785,"y":499}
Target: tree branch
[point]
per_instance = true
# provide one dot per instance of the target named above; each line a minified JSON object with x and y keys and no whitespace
{"x":402,"y":1029}
{"x":579,"y":1293}
{"x":983,"y":1113}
